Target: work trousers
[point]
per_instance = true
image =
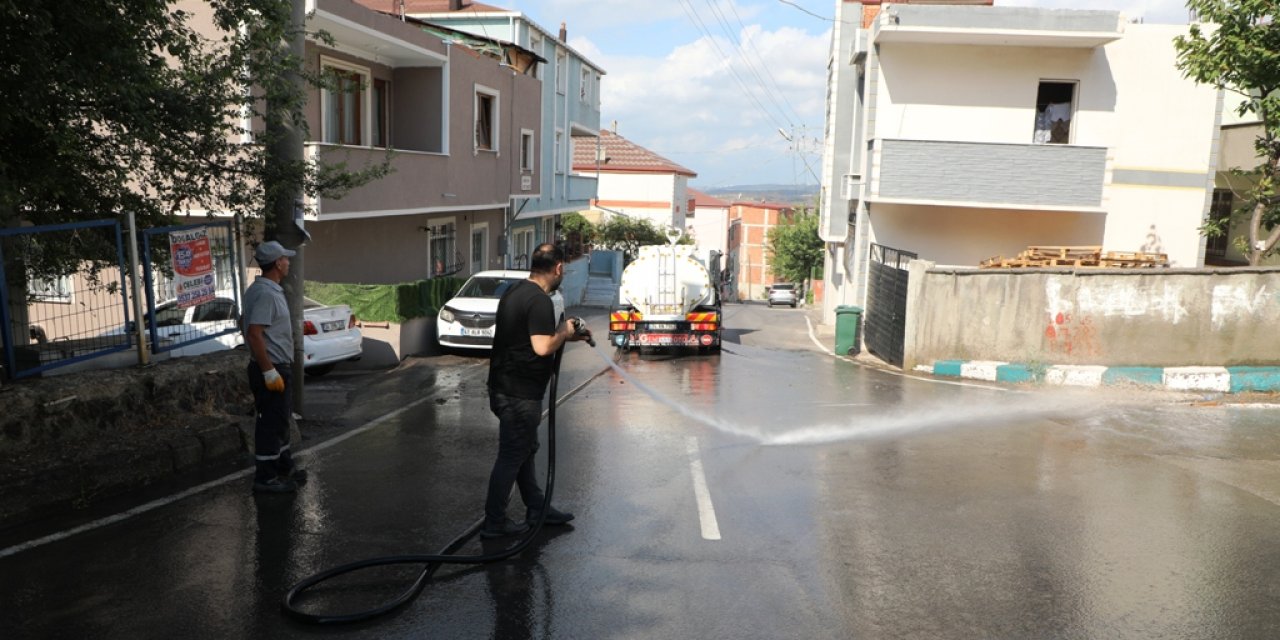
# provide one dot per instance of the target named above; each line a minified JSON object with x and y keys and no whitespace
{"x":271,"y":429}
{"x":518,"y":420}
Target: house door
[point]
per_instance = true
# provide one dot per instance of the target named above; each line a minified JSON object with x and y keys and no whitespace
{"x":479,"y":248}
{"x":886,"y":323}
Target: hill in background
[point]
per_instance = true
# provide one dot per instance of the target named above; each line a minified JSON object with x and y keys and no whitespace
{"x":776,"y":193}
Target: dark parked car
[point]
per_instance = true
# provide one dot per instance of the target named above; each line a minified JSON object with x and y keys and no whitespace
{"x":784,"y":294}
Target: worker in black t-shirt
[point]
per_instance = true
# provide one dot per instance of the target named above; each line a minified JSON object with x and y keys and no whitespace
{"x":525,"y":342}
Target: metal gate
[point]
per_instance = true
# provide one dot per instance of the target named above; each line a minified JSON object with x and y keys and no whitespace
{"x":886,"y":321}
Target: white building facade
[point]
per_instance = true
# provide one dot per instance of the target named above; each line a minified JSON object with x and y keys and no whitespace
{"x":959,"y":133}
{"x":635,"y":182}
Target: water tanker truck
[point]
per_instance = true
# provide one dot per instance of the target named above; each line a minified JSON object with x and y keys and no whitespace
{"x":667,"y":300}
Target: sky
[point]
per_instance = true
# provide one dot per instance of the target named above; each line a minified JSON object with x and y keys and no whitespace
{"x":733,"y":89}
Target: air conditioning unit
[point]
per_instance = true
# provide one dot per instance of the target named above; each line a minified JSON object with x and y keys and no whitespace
{"x":850,"y":186}
{"x":858,"y":56}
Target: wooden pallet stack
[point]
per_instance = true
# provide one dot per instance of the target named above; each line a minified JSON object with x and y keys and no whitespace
{"x":1076,"y":256}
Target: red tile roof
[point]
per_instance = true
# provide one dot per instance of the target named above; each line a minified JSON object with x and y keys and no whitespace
{"x":703,"y":200}
{"x":425,"y":6}
{"x":624,"y":156}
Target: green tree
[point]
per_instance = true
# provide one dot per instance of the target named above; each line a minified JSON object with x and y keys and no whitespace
{"x":1240,"y":53}
{"x":794,"y":247}
{"x":117,"y":106}
{"x":627,"y":234}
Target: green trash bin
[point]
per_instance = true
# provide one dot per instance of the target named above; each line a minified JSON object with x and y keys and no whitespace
{"x":848,"y":323}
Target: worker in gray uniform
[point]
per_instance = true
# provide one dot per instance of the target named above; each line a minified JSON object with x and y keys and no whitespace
{"x":268,"y":330}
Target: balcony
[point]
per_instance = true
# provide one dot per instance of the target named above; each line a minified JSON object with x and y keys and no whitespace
{"x":998,"y":26}
{"x":1051,"y":177}
{"x":582,"y":189}
{"x":420,"y":181}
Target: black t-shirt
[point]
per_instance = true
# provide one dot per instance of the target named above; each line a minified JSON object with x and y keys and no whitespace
{"x":514,"y":368}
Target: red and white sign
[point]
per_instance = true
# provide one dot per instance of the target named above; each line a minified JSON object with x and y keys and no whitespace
{"x":193,"y":275}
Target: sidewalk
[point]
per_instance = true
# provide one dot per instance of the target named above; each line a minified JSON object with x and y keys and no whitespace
{"x":1218,"y":380}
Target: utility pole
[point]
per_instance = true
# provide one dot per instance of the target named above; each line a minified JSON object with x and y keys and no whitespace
{"x":284,"y":219}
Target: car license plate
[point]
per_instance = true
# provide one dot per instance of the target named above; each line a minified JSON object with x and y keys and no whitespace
{"x":483,"y":333}
{"x":662,"y":327}
{"x":336,"y":325}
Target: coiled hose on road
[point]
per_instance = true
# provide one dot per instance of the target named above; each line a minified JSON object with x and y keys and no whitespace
{"x":432,"y":561}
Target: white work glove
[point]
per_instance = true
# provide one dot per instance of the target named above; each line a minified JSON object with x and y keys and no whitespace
{"x":274,"y":381}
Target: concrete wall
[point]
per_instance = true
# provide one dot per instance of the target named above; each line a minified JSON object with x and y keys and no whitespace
{"x":1110,"y":317}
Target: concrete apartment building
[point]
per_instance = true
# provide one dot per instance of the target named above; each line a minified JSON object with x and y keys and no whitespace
{"x":569,"y":98}
{"x":708,"y":224}
{"x":452,"y":119}
{"x":749,"y":262}
{"x":635,"y":182}
{"x":958,"y":133}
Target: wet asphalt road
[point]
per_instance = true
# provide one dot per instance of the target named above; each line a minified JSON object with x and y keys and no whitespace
{"x":784,"y":494}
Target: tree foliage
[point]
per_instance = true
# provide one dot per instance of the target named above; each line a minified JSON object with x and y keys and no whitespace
{"x":795,"y":247}
{"x":1239,"y":51}
{"x":117,"y":106}
{"x":627,"y":234}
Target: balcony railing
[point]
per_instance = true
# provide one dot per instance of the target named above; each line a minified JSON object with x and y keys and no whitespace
{"x":1051,"y":176}
{"x":581,"y":188}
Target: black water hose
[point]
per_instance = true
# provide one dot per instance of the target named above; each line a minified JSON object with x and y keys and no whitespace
{"x":433,"y":561}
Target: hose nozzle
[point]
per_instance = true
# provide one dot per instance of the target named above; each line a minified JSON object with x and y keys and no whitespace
{"x":580,"y":330}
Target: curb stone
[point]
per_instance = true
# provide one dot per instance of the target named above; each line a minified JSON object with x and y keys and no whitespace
{"x":1192,"y":378}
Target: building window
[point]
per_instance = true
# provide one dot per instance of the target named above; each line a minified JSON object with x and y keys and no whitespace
{"x":342,"y":101}
{"x":562,"y":73}
{"x":559,"y":151}
{"x":440,"y":249}
{"x":479,"y":248}
{"x":535,"y":45}
{"x":381,"y":106}
{"x":584,"y":91}
{"x":1055,"y":103}
{"x":486,"y":119}
{"x":526,"y":150}
{"x":523,"y":247}
{"x":549,"y":229}
{"x":1216,"y":246}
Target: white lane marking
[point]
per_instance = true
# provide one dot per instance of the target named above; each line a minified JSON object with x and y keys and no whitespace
{"x":232,"y":477}
{"x":706,"y":511}
{"x":156,"y":504}
{"x":814,"y":338}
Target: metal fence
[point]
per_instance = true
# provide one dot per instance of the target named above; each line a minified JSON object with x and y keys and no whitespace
{"x":65,"y":292}
{"x":192,"y":287}
{"x":55,"y":316}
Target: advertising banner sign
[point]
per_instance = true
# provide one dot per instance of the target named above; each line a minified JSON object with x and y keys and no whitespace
{"x":193,"y":276}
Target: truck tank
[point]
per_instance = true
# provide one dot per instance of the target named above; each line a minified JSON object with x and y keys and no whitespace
{"x":667,"y":299}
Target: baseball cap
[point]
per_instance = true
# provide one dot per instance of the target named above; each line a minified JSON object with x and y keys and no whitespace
{"x":268,"y":252}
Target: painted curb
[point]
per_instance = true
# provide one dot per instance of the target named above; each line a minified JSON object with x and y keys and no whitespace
{"x":1220,"y":379}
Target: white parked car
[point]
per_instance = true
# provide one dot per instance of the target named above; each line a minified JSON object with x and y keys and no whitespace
{"x":467,"y":320}
{"x":329,"y":333}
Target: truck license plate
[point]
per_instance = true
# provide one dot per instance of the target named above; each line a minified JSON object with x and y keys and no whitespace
{"x":662,"y":327}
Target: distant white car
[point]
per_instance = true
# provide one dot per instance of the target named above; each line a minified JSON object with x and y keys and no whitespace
{"x":467,"y":320}
{"x":329,"y":333}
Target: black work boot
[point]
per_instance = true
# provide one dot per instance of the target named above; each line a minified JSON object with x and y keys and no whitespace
{"x":503,"y":529}
{"x":554,"y":516}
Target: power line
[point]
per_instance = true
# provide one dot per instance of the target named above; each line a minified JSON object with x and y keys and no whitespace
{"x":751,"y":66}
{"x":789,"y":2}
{"x":687,"y":5}
{"x":767,"y":72}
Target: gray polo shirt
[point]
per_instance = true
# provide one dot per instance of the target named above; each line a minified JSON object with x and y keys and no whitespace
{"x":264,"y":304}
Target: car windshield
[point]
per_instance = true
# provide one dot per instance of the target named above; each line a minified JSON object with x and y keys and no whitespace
{"x":486,"y":287}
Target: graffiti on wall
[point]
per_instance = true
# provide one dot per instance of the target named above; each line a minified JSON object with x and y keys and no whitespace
{"x":1237,"y":302}
{"x":1072,"y":335}
{"x":1112,"y":299}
